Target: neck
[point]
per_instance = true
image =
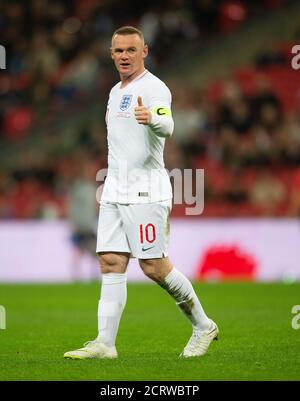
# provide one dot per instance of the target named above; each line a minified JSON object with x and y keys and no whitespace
{"x":126,"y":79}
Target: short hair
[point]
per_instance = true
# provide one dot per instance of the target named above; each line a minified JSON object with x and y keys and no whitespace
{"x":128,"y":30}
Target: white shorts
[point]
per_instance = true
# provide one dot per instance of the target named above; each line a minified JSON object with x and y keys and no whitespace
{"x":140,"y":229}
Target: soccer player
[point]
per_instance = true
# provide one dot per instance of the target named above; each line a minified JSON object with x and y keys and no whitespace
{"x":136,"y":201}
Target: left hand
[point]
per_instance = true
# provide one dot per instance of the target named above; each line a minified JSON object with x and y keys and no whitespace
{"x":142,"y":114}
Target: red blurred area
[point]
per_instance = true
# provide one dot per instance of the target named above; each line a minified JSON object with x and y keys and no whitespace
{"x":224,"y":262}
{"x":231,"y":15}
{"x":18,"y":121}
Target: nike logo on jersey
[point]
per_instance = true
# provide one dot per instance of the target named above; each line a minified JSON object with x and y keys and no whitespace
{"x":147,"y":249}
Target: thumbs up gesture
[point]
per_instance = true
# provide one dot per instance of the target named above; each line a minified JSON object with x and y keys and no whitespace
{"x":142,"y":114}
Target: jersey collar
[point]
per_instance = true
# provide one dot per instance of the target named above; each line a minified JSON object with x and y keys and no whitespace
{"x":135,"y":79}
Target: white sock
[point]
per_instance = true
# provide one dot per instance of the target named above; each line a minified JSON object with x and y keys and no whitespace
{"x":111,"y":305}
{"x":181,"y":289}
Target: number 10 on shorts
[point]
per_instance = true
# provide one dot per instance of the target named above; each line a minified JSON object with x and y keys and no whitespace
{"x":147,"y":233}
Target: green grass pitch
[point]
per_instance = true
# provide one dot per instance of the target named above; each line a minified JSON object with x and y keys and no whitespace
{"x":256,"y":342}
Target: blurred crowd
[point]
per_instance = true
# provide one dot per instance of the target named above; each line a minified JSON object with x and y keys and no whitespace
{"x":246,"y":138}
{"x":57,"y":50}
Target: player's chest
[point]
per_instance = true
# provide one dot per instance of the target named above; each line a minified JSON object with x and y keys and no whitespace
{"x":121,"y":106}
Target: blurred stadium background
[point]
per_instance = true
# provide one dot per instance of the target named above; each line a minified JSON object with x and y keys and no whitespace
{"x":236,"y":105}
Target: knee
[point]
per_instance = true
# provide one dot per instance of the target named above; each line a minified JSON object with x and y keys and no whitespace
{"x":154,"y":269}
{"x":112,"y":263}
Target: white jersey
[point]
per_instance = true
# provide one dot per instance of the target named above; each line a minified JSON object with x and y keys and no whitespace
{"x":136,"y":172}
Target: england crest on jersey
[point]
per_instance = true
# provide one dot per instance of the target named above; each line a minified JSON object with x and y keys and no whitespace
{"x":125,"y":102}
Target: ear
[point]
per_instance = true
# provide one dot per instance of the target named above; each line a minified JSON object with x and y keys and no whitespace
{"x":111,"y":53}
{"x":145,"y":51}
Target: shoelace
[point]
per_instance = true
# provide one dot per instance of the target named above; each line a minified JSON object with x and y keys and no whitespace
{"x":198,"y":341}
{"x":193,"y":341}
{"x":89,"y":343}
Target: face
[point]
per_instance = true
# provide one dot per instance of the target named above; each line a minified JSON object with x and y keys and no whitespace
{"x":128,"y":53}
